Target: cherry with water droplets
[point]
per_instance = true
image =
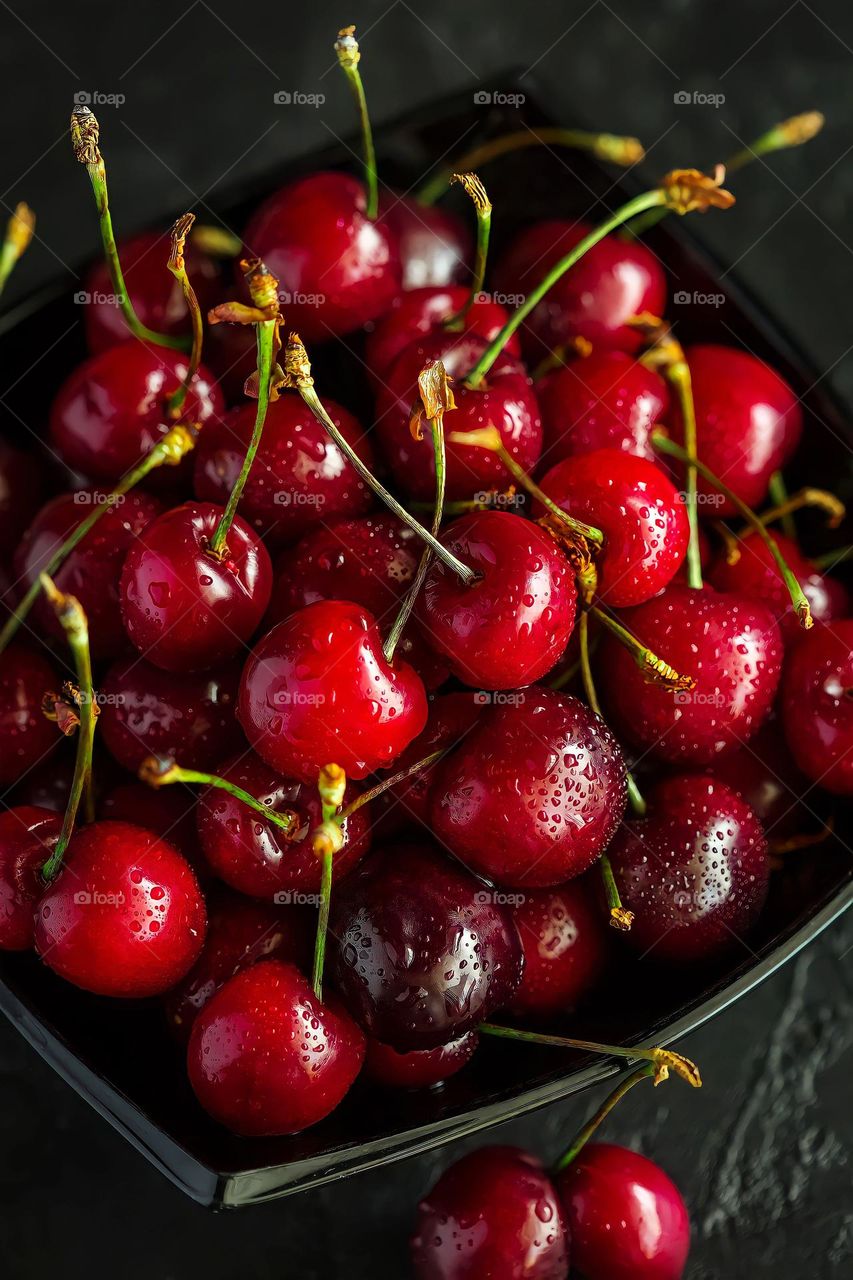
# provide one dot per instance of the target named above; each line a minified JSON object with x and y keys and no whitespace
{"x":434,"y":244}
{"x":817,"y":705}
{"x":565,"y":939}
{"x":28,"y":837}
{"x":421,"y":1068}
{"x":27,"y":736}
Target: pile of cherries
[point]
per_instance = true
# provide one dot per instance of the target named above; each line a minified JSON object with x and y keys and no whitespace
{"x":442,"y":783}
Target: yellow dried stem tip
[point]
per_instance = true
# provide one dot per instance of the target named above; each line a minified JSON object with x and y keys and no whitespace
{"x":666,"y":1060}
{"x":157,"y":771}
{"x":473,"y":187}
{"x":85,"y":136}
{"x":332,"y":784}
{"x":799,"y":129}
{"x":297,"y":366}
{"x":621,"y":918}
{"x":178,"y":236}
{"x":690,"y":190}
{"x":20,"y":228}
{"x":616,"y":150}
{"x":263,"y":286}
{"x":436,"y":397}
{"x":346,"y":47}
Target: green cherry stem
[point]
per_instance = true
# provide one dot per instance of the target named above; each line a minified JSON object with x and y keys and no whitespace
{"x":663,"y":1060}
{"x":778,"y":491}
{"x":19,"y":232}
{"x":784,"y":507}
{"x":349,"y":56}
{"x":327,"y":840}
{"x":178,"y":268}
{"x":669,"y":358}
{"x":160,"y":772}
{"x":638,"y":804}
{"x":654,"y":667}
{"x":646,"y":1072}
{"x":387,"y":783}
{"x":473,"y":187}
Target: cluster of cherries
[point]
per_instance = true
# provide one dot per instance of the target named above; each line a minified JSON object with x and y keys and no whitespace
{"x":407,"y":714}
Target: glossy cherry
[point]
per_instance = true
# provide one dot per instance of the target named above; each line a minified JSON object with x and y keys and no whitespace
{"x":188,"y":610}
{"x":317,"y":689}
{"x":420,"y":1069}
{"x":624,"y":1215}
{"x":28,"y":837}
{"x":124,"y":916}
{"x":565,"y":940}
{"x":434,"y":244}
{"x":266,"y":1057}
{"x":510,"y":626}
{"x":764,"y":775}
{"x":493,"y":1215}
{"x":27,"y":736}
{"x":817,"y":705}
{"x":639,"y":511}
{"x":169,"y":813}
{"x":534,"y":793}
{"x":21,"y":482}
{"x":421,"y":951}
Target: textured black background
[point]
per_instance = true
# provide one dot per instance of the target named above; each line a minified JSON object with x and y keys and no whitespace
{"x":763,"y":1152}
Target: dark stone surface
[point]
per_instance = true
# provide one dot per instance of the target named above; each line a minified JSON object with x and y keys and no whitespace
{"x":763,"y":1151}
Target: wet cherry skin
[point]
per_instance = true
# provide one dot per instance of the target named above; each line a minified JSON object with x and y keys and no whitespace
{"x":817,"y":705}
{"x":420,"y":950}
{"x":624,"y":1215}
{"x":511,"y":625}
{"x":434,"y":244}
{"x":420,"y":1069}
{"x":251,"y":1046}
{"x":124,"y":915}
{"x":21,"y":485}
{"x":534,"y":794}
{"x":185,"y":609}
{"x":694,"y":871}
{"x":336,"y":269}
{"x":28,"y":836}
{"x":493,"y":1215}
{"x":565,"y":939}
{"x":317,"y":689}
{"x":27,"y":736}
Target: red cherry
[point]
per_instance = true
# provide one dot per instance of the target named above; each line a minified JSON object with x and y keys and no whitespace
{"x":183,"y":608}
{"x":817,"y":705}
{"x":112,"y":409}
{"x":510,"y":626}
{"x":534,"y":794}
{"x":318,"y":689}
{"x":694,"y":871}
{"x":28,"y":837}
{"x":434,"y":243}
{"x":168,"y":812}
{"x":625,"y":1217}
{"x":565,"y":943}
{"x":608,"y":400}
{"x":493,"y":1215}
{"x":421,"y":951}
{"x":731,"y":647}
{"x":267,"y":1058}
{"x":91,"y":571}
{"x":299,"y":477}
{"x":124,"y":916}
{"x":336,"y":268}
{"x":616,"y":280}
{"x":764,"y":775}
{"x":420,"y":1069}
{"x":21,"y":483}
{"x":640,"y":513}
{"x":26,"y":734}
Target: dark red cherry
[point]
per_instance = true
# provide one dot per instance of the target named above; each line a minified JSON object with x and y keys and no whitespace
{"x":27,"y":736}
{"x":565,"y":939}
{"x":336,"y":268}
{"x":505,"y":400}
{"x":188,"y":717}
{"x":420,"y":1069}
{"x":47,"y":785}
{"x":28,"y":837}
{"x":317,"y":690}
{"x":231,"y":352}
{"x":731,"y":646}
{"x":639,"y":511}
{"x":510,"y":626}
{"x":535,"y":792}
{"x":91,"y":571}
{"x":267,"y":1058}
{"x":113,"y":408}
{"x":625,"y":1217}
{"x":257,"y":857}
{"x":694,"y":871}
{"x":21,"y":483}
{"x":124,"y":916}
{"x":817,"y":705}
{"x":608,"y":400}
{"x":422,"y":952}
{"x":616,"y":280}
{"x":764,"y":775}
{"x":185,"y":609}
{"x":493,"y":1215}
{"x":299,"y":477}
{"x":434,"y":244}
{"x":169,"y":812}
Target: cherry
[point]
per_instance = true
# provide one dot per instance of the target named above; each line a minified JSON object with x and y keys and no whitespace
{"x":91,"y":571}
{"x":694,"y":871}
{"x":168,"y":812}
{"x":318,"y":689}
{"x":535,"y":792}
{"x":510,"y":626}
{"x":764,"y":775}
{"x":817,"y":705}
{"x":640,"y":513}
{"x":625,"y":1217}
{"x":21,"y":485}
{"x":26,"y":734}
{"x":618,"y":279}
{"x":422,"y":952}
{"x":267,"y":1058}
{"x":565,"y":944}
{"x":420,"y":1069}
{"x":434,"y":244}
{"x":493,"y":1215}
{"x":608,"y":400}
{"x":28,"y":837}
{"x":113,"y":408}
{"x":124,"y":915}
{"x":231,"y":352}
{"x":731,"y":646}
{"x":299,"y":476}
{"x":188,"y":717}
{"x":184,"y":608}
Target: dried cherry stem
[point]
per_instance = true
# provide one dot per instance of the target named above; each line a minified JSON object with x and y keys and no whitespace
{"x":638,"y":804}
{"x":662,"y":1060}
{"x":827,"y":502}
{"x":349,"y":56}
{"x":168,"y":451}
{"x":297,"y":373}
{"x":216,"y":242}
{"x":605,"y":146}
{"x":327,"y":840}
{"x":160,"y":772}
{"x":474,"y":188}
{"x":798,"y":599}
{"x":74,"y":623}
{"x":647,"y":1072}
{"x":85,"y":136}
{"x":656,"y":669}
{"x":620,"y":917}
{"x":178,"y":268}
{"x":19,"y":232}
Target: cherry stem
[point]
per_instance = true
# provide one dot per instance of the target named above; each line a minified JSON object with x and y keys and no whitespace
{"x":168,"y":451}
{"x":474,"y":188}
{"x":678,"y":374}
{"x":19,"y":232}
{"x":85,"y":136}
{"x":216,"y":242}
{"x":158,"y":772}
{"x":349,"y":56}
{"x":178,"y":268}
{"x":646,"y":1072}
{"x":663,"y":1060}
{"x":798,"y":599}
{"x":829,"y":559}
{"x":778,"y":492}
{"x":74,"y":623}
{"x":381,"y":787}
{"x":785,"y":506}
{"x":620,"y":917}
{"x":638,"y":804}
{"x":656,"y":668}
{"x":328,"y":839}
